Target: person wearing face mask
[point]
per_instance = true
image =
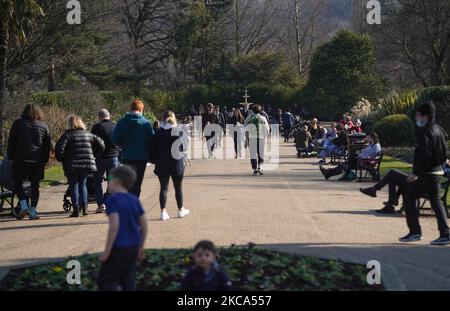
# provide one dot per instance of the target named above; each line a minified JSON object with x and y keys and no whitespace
{"x":429,"y":156}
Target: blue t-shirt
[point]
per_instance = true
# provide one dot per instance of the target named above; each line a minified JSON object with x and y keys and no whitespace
{"x":129,"y":209}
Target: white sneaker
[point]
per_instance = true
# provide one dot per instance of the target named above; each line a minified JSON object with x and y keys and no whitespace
{"x":164,"y":216}
{"x":183,"y":213}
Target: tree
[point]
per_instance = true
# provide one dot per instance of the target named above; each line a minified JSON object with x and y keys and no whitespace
{"x":414,"y":41}
{"x":342,"y":72}
{"x":16,"y":18}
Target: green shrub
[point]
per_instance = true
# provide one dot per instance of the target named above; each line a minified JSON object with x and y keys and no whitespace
{"x":395,"y":130}
{"x":396,"y":103}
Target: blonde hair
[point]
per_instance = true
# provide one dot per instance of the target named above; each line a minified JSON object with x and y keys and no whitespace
{"x":169,"y":117}
{"x":76,"y":123}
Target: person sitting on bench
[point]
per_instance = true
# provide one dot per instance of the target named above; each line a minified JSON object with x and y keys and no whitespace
{"x":332,"y":144}
{"x":397,"y":181}
{"x":303,"y":141}
{"x":371,"y":152}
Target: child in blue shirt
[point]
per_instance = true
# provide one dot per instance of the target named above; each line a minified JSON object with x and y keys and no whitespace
{"x":126,"y":235}
{"x":206,"y":275}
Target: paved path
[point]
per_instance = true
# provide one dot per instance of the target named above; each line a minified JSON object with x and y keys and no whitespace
{"x":290,"y":209}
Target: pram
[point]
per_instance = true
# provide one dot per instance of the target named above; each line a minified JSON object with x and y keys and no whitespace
{"x":67,"y":202}
{"x":7,"y":195}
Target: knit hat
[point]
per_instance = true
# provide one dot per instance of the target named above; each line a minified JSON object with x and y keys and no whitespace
{"x":428,"y":109}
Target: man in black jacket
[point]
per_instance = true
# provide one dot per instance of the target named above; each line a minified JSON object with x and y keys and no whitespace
{"x":209,"y":119}
{"x":429,"y":156}
{"x":108,"y":159}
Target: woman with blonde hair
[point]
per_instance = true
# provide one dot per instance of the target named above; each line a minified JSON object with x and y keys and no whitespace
{"x":77,"y":150}
{"x":170,"y":145}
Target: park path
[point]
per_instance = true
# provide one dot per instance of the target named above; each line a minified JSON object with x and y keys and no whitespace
{"x":290,"y":209}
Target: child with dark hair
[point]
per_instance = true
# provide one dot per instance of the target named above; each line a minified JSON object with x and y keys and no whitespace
{"x":126,"y":235}
{"x":206,"y":275}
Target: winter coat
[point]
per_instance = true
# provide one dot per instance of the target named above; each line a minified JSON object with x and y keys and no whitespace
{"x":77,"y":150}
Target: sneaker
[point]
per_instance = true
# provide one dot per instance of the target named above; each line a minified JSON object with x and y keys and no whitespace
{"x":255,"y":173}
{"x":260,"y":172}
{"x":388,"y":209}
{"x":100,"y":209}
{"x":443,"y":240}
{"x":371,"y":192}
{"x":411,"y":238}
{"x":164,"y":216}
{"x":183,"y":213}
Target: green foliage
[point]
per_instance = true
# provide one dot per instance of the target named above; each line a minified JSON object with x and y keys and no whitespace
{"x":342,"y":72}
{"x":395,"y":130}
{"x":249,"y":269}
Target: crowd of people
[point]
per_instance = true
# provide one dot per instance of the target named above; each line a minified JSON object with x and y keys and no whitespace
{"x":121,"y":152}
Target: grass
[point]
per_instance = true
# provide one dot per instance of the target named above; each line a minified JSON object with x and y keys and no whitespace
{"x":250,"y":268}
{"x":53,"y":176}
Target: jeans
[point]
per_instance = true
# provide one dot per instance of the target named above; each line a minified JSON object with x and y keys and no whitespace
{"x":430,"y":185}
{"x":119,"y":271}
{"x":28,"y":171}
{"x":78,"y":189}
{"x":139,"y":168}
{"x":103,"y":166}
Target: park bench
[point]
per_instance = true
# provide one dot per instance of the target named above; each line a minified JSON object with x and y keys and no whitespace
{"x":364,"y":166}
{"x":339,"y":155}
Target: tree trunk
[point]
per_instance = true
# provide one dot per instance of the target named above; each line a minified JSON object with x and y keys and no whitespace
{"x":3,"y":63}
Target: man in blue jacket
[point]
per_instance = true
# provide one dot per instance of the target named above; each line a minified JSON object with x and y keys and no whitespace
{"x":133,"y":134}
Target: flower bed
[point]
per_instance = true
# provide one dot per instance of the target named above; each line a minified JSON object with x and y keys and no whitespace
{"x":249,"y":268}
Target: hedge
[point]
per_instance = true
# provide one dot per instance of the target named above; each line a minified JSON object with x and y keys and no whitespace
{"x":395,"y":130}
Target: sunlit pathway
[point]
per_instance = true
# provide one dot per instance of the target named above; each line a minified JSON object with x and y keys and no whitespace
{"x":291,"y":208}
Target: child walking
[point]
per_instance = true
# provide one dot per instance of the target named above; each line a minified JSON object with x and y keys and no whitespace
{"x":206,"y":275}
{"x":126,"y":235}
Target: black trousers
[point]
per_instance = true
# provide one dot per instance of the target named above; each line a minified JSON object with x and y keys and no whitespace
{"x":139,"y":167}
{"x":31,"y":171}
{"x":431,"y":186}
{"x":397,"y":181}
{"x":178,"y":185}
{"x":287,"y":132}
{"x":257,"y":156}
{"x":119,"y":271}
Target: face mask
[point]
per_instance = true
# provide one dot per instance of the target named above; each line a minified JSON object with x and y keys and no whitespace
{"x":421,"y":123}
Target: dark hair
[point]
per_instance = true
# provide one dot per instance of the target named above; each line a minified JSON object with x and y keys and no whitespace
{"x":32,"y":112}
{"x":125,"y":175}
{"x":375,"y":137}
{"x":256,"y":109}
{"x":207,"y":246}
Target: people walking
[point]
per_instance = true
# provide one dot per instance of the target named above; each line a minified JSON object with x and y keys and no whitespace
{"x":209,"y":119}
{"x":29,"y":145}
{"x":288,"y":123}
{"x":170,"y":163}
{"x":133,"y":134}
{"x":237,"y":120}
{"x":258,"y":129}
{"x":429,"y":157}
{"x":108,"y":159}
{"x":77,"y":150}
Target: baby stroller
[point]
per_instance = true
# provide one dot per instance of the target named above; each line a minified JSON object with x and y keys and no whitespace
{"x":7,"y":195}
{"x":67,"y":202}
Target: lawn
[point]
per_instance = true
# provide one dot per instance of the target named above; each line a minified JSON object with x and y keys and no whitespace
{"x":249,"y":268}
{"x":53,"y":176}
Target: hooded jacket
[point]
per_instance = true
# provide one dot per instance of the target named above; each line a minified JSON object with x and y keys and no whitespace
{"x":133,"y":134}
{"x":169,"y":145}
{"x":432,"y":149}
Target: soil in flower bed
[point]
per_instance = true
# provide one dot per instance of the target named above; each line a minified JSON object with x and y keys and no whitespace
{"x":249,"y":268}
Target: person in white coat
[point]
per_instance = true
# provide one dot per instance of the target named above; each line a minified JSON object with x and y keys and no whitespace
{"x":257,"y":128}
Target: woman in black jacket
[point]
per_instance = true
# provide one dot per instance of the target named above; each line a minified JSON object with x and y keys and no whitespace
{"x":29,"y":146}
{"x":77,"y":149}
{"x":169,"y":144}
